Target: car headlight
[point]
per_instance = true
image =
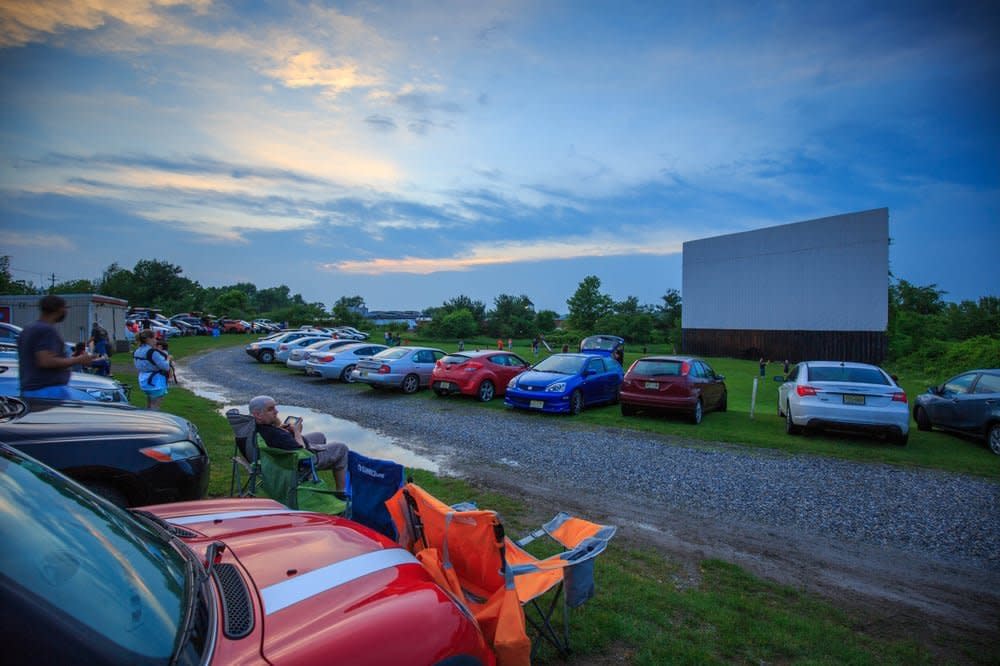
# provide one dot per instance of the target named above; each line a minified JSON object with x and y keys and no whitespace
{"x":172,"y":452}
{"x":512,"y":383}
{"x":558,"y":387}
{"x":255,"y":346}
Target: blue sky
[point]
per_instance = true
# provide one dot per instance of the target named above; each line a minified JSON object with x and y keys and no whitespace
{"x":409,"y":152}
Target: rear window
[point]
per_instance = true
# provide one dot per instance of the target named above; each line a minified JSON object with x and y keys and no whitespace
{"x":845,"y":374}
{"x":657,"y":368}
{"x":455,"y":359}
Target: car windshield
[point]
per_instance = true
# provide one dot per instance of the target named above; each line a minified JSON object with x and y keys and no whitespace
{"x":836,"y":373}
{"x":657,"y":368}
{"x":563,"y":365}
{"x":87,"y":567}
{"x":599,"y":342}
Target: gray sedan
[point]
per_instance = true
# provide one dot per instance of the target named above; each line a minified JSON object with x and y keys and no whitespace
{"x":338,"y":363}
{"x":406,"y":368}
{"x":968,"y":403}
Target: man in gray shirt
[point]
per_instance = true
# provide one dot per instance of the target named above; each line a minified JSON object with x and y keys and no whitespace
{"x":43,"y":364}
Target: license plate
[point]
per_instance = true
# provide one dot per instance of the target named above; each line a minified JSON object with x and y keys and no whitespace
{"x":536,"y":404}
{"x":852,"y":399}
{"x":653,"y":385}
{"x":444,"y":385}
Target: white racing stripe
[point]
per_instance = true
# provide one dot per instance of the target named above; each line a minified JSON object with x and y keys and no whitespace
{"x":209,"y":517}
{"x":286,"y":593}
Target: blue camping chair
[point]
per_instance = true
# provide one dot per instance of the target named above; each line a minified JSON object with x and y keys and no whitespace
{"x":370,"y":482}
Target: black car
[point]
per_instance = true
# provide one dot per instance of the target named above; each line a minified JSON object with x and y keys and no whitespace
{"x":128,"y":455}
{"x":967,"y":403}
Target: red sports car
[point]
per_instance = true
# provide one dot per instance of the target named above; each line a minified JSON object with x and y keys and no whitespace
{"x":230,"y":581}
{"x":483,"y":374}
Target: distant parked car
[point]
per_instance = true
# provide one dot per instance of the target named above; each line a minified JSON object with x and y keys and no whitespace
{"x":406,"y":368}
{"x":566,"y":383}
{"x":604,"y":345}
{"x":339,"y":362}
{"x":673,"y":383}
{"x":299,"y":355}
{"x":192,"y":323}
{"x":98,"y":388}
{"x":483,"y":374}
{"x":233,"y":326}
{"x":351,"y":332}
{"x":9,"y":333}
{"x":967,"y":403}
{"x":128,"y":455}
{"x":844,"y":396}
{"x":265,"y":350}
{"x":215,"y":582}
{"x":285,"y":347}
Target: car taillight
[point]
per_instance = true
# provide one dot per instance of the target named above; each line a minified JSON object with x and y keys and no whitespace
{"x":685,"y":368}
{"x":804,"y":390}
{"x":899,"y":397}
{"x":282,"y":347}
{"x":472,"y":367}
{"x":438,"y":364}
{"x":326,"y":359}
{"x":384,"y":370}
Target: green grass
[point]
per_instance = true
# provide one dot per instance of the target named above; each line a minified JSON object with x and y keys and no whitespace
{"x":649,"y":609}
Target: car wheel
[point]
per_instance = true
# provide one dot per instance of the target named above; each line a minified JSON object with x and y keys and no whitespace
{"x":993,"y":438}
{"x":266,"y":356}
{"x":345,"y":375}
{"x":920,"y":416}
{"x":627,"y":410}
{"x":109,"y":493}
{"x":697,"y":413}
{"x":486,"y":391}
{"x":410,"y":384}
{"x":790,"y":427}
{"x":724,"y":403}
{"x":575,"y":402}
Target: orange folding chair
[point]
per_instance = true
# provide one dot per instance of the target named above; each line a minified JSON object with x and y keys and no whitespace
{"x":467,"y":552}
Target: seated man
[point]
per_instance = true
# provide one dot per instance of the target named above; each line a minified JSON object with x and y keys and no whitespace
{"x":289,"y":436}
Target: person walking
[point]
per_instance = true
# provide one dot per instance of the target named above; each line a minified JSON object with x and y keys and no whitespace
{"x":154,"y":366}
{"x":763,"y":366}
{"x":43,"y":362}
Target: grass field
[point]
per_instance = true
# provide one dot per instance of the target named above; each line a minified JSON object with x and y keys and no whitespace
{"x":649,"y":609}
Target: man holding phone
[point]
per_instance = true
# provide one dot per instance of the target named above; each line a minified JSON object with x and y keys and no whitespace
{"x":288,"y":435}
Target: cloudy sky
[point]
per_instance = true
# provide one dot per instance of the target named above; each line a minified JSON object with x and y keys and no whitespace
{"x":409,"y":152}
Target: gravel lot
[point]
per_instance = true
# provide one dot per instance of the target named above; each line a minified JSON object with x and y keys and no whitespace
{"x":913,"y":544}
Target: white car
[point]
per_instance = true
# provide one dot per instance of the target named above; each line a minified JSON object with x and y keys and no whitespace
{"x":299,"y":355}
{"x":339,"y":362}
{"x":351,"y":332}
{"x":285,"y":348}
{"x":844,"y":396}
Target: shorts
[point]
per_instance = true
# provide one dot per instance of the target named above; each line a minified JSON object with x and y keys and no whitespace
{"x":331,"y":455}
{"x":153,"y":394}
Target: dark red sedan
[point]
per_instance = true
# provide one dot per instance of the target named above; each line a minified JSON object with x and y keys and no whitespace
{"x":673,"y":383}
{"x":483,"y":374}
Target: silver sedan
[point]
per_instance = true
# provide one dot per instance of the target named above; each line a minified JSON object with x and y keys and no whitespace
{"x":339,"y":362}
{"x":406,"y":368}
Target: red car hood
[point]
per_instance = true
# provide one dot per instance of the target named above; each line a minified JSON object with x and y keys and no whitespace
{"x":325,"y":588}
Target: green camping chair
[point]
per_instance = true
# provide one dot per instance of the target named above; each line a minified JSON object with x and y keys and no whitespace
{"x":290,"y":478}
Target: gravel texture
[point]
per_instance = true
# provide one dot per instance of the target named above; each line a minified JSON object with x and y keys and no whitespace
{"x":937,"y":515}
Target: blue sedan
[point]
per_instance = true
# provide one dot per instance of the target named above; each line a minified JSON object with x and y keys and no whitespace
{"x":566,"y":383}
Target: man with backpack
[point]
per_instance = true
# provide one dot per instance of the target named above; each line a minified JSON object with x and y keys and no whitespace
{"x":153,"y":365}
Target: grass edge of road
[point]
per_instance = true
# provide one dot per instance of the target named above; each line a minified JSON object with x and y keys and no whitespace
{"x":648,"y":609}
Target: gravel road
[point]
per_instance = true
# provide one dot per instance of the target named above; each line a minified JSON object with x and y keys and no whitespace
{"x":919,"y":546}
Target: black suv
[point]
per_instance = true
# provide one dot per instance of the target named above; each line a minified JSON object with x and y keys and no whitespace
{"x":128,"y":455}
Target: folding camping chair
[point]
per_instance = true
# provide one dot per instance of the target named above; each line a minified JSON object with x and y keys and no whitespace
{"x":467,"y":552}
{"x":290,"y":477}
{"x":370,"y":483}
{"x":246,"y":457}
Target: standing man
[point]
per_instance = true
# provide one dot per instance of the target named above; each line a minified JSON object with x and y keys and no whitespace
{"x":43,"y":364}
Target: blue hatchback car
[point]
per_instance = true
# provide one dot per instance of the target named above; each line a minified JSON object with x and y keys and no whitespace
{"x":566,"y":383}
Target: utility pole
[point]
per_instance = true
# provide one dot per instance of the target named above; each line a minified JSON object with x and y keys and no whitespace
{"x":53,"y":285}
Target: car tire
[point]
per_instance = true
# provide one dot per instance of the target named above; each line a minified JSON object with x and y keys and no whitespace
{"x":109,"y":493}
{"x":266,"y":356}
{"x":724,"y":403}
{"x":923,"y":421}
{"x":790,"y":427}
{"x":345,"y":375}
{"x":993,"y":438}
{"x":575,"y":402}
{"x":697,"y":413}
{"x":411,"y":383}
{"x":627,"y":410}
{"x":486,"y":391}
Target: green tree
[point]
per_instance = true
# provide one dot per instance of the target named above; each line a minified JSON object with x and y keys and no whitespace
{"x":459,"y":324}
{"x":8,"y":285}
{"x":347,"y":311}
{"x":118,"y":282}
{"x":545,"y":321}
{"x":588,"y":305}
{"x":233,"y":304}
{"x":512,"y":316}
{"x":74,"y":287}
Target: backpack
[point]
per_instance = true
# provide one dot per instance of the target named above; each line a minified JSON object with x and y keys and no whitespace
{"x":149,"y":357}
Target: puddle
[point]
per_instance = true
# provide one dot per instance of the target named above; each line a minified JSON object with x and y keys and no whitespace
{"x":363,"y":440}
